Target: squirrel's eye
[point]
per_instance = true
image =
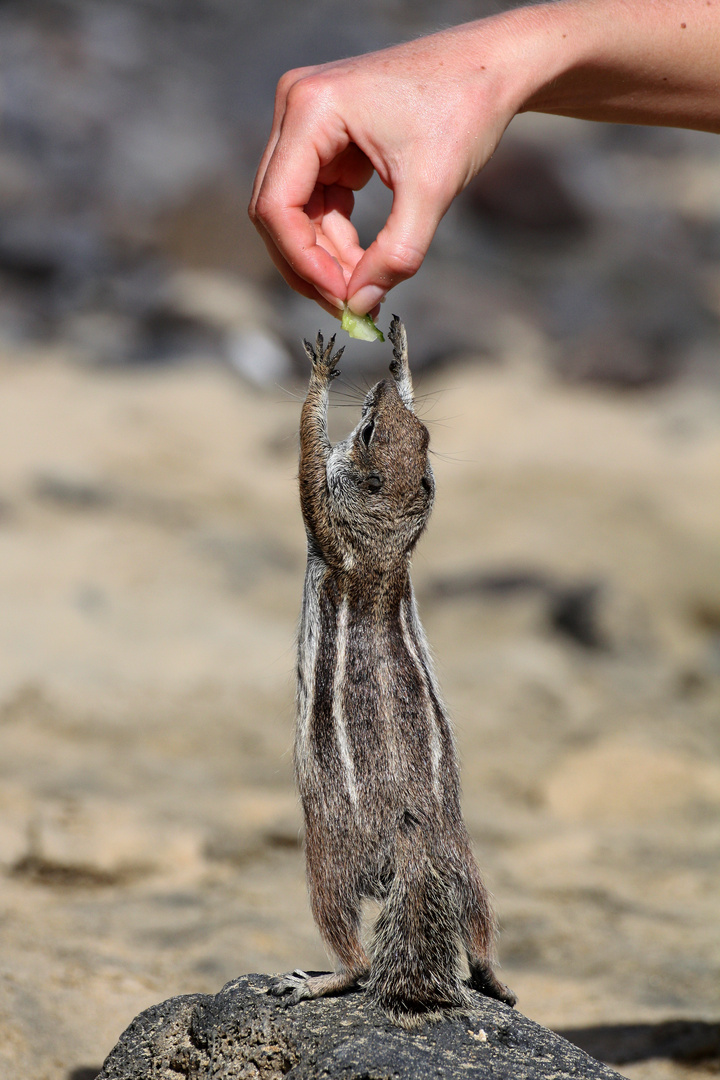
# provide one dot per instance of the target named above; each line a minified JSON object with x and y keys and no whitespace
{"x":425,"y":483}
{"x":373,"y":482}
{"x":367,"y":432}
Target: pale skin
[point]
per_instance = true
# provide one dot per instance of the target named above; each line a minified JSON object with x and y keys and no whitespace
{"x":427,"y":115}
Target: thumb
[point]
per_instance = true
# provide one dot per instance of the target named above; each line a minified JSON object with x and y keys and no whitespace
{"x":400,"y":247}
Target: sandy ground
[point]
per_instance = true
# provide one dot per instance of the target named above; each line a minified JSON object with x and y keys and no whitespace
{"x":151,"y":560}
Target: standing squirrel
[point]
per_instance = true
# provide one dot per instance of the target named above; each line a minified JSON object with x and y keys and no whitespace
{"x":375,"y":757}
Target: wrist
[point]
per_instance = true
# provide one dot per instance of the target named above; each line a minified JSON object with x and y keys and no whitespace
{"x":541,"y":49}
{"x":521,"y":60}
{"x":525,"y":54}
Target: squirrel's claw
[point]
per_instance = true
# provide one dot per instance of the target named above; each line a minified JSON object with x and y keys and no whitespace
{"x":292,"y":983}
{"x":321,"y":357}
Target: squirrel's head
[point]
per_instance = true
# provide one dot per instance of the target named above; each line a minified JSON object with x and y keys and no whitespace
{"x":380,"y":481}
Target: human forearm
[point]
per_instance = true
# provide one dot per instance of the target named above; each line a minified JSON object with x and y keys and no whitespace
{"x":627,"y":61}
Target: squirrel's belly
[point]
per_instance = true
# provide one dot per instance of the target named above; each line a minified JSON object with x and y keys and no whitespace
{"x":378,"y":772}
{"x":370,"y":726}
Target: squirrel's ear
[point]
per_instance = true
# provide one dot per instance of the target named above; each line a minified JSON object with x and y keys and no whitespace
{"x":400,"y":367}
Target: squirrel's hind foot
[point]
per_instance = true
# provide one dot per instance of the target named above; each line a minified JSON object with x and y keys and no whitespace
{"x":291,"y":983}
{"x":485,"y":981}
{"x":301,"y":986}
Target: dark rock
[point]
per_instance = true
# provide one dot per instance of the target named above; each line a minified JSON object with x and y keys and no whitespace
{"x":522,"y":189}
{"x":244,"y":1032}
{"x":611,"y":357}
{"x":626,"y":319}
{"x":689,"y":1041}
{"x":72,"y":492}
{"x":571,"y":609}
{"x":574,"y":613}
{"x":497,"y":584}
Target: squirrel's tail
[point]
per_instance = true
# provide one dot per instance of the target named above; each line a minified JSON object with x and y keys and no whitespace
{"x":415,"y":950}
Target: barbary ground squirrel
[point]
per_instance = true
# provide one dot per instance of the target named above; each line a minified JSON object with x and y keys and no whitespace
{"x":375,"y":757}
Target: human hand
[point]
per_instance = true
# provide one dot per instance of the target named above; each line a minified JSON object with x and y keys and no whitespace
{"x":425,"y":116}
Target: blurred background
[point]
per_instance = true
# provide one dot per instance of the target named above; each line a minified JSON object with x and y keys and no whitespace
{"x":564,"y":337}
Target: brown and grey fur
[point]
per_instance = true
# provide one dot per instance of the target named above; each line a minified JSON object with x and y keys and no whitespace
{"x":374,"y":752}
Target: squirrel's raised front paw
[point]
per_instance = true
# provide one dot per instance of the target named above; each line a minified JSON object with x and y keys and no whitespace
{"x":399,"y":367}
{"x":293,"y":984}
{"x":398,"y":337}
{"x":321,"y":357}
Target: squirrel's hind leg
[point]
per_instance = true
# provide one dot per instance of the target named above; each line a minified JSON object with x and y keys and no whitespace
{"x":485,"y":981}
{"x":353,"y":965}
{"x":477,"y":928}
{"x":335,"y":899}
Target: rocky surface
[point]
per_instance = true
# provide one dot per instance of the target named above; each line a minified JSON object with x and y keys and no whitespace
{"x":243,"y":1032}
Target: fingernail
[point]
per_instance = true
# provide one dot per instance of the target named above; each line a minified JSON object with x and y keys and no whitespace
{"x":365,"y":299}
{"x":334,"y":300}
